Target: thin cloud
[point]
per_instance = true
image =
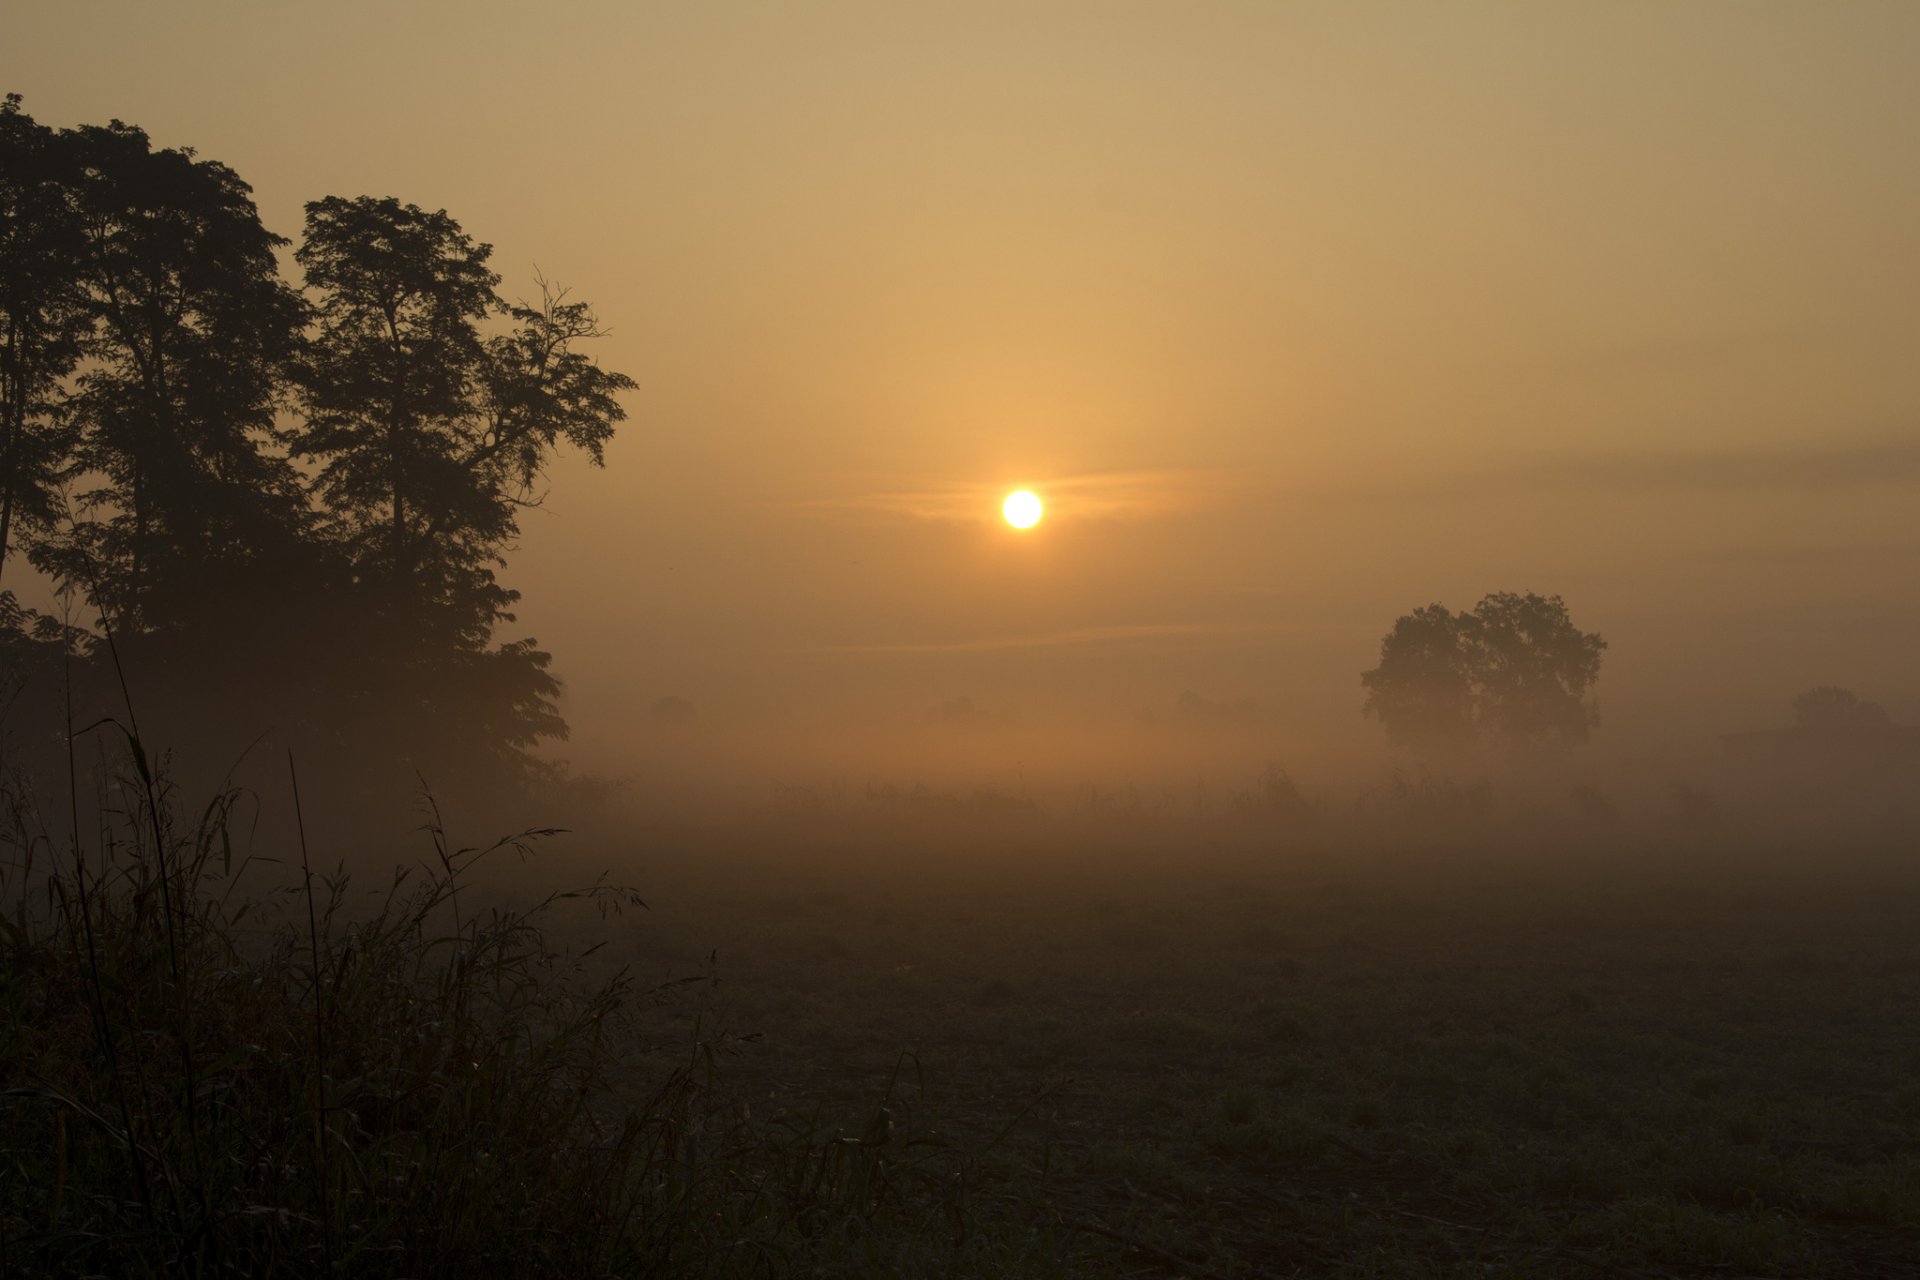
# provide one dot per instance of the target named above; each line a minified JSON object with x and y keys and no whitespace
{"x":1850,"y":555}
{"x":1100,"y":495}
{"x":1071,"y":637}
{"x":1825,"y":467}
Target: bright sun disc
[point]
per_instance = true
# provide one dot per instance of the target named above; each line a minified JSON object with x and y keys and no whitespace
{"x":1022,"y":509}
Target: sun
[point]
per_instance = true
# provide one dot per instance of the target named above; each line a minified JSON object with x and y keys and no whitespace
{"x":1022,"y":509}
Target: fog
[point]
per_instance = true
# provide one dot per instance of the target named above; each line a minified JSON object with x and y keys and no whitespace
{"x":1298,"y":319}
{"x":531,"y":746}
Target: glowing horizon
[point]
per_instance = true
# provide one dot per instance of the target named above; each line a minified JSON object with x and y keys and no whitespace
{"x":1296,"y":317}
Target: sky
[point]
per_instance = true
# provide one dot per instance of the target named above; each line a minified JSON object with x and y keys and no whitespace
{"x":1297,"y":316}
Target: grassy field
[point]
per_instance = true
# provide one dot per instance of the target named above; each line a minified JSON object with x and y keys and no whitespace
{"x":1187,"y":1061}
{"x":962,"y":1040}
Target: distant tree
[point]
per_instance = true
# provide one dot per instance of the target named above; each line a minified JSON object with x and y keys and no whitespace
{"x":1196,"y":709}
{"x":1830,"y":708}
{"x":1423,"y":689}
{"x":1532,"y":668}
{"x":674,"y":710}
{"x":1515,"y":670}
{"x":44,"y":322}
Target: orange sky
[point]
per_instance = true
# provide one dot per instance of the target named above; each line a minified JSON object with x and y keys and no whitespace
{"x":1299,"y":315}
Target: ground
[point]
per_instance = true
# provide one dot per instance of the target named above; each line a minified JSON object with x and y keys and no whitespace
{"x":1297,"y":1061}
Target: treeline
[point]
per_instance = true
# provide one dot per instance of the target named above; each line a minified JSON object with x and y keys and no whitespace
{"x":280,"y":503}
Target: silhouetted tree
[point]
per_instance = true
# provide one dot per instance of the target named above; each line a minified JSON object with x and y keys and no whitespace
{"x":1828,"y":707}
{"x":43,"y":321}
{"x":192,"y":332}
{"x":299,"y":508}
{"x":430,"y":436}
{"x":390,"y":383}
{"x":1515,"y":670}
{"x":674,"y":710}
{"x":538,"y":390}
{"x":1423,"y":689}
{"x":1533,"y":669}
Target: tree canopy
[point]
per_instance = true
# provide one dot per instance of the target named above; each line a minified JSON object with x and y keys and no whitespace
{"x":190,"y":335}
{"x":43,"y":322}
{"x":1514,"y":671}
{"x":1831,"y":709}
{"x":299,"y":493}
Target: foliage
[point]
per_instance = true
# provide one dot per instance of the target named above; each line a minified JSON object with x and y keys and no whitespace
{"x":192,"y":329}
{"x":317,"y":1080}
{"x":1514,"y":671}
{"x":202,"y":1085}
{"x":1423,"y":689}
{"x":42,"y":321}
{"x":301,"y":499}
{"x":1830,"y":708}
{"x":388,"y":384}
{"x":1532,"y":669}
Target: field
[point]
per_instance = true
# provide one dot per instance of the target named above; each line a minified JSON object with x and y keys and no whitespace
{"x":1192,"y":1060}
{"x":966,"y":1039}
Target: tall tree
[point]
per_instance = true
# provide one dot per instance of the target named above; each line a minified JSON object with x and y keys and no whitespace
{"x":335,"y":573}
{"x":176,"y":405}
{"x":429,"y":436}
{"x":43,"y":321}
{"x":1515,"y":670}
{"x":391,"y":388}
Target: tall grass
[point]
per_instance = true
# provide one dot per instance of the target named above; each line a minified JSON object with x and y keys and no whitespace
{"x":200,"y":1081}
{"x":199,"y":1077}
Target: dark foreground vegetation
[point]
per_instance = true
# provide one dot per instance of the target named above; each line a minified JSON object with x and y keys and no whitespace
{"x":966,"y":1041}
{"x":215,"y":1063}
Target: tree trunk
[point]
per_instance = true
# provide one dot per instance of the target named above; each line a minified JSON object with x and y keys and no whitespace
{"x":399,"y":539}
{"x":133,"y":552}
{"x":10,"y":453}
{"x":6,"y":514}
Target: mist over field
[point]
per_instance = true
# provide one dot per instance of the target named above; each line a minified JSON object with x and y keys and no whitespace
{"x":1070,"y":639}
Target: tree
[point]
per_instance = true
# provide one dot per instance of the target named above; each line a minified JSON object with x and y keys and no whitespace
{"x":43,"y":322}
{"x":192,"y":331}
{"x":540,"y":390}
{"x":1829,"y":709}
{"x":1423,"y":689}
{"x":389,"y":385}
{"x":1533,"y":669}
{"x":1515,"y":670}
{"x":299,"y":508}
{"x":430,"y":436}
